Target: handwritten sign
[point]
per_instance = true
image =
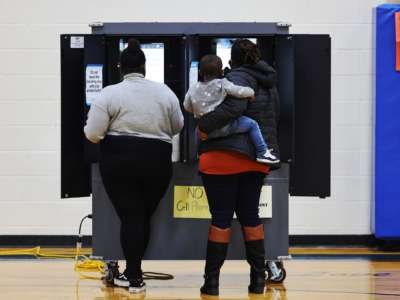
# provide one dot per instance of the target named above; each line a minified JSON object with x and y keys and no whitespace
{"x":190,"y":202}
{"x":94,"y":82}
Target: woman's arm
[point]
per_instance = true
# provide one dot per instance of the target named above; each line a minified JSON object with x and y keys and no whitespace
{"x":98,"y":119}
{"x":177,"y":121}
{"x":230,"y":109}
{"x":176,"y":116}
{"x":96,"y":124}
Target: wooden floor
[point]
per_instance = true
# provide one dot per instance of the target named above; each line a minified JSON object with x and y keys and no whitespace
{"x":307,"y":279}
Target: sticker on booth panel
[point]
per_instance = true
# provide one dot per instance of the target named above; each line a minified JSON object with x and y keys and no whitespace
{"x":190,"y":202}
{"x":77,"y":42}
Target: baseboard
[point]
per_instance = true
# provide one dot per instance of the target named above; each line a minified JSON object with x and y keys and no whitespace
{"x":294,"y":240}
{"x":334,"y":240}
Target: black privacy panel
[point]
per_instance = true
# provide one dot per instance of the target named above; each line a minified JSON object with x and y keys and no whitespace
{"x":75,"y":174}
{"x":75,"y":150}
{"x":304,"y":66}
{"x":284,"y":63}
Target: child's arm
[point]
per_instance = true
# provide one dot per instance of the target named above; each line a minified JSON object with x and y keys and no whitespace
{"x":237,"y":91}
{"x":187,"y":103}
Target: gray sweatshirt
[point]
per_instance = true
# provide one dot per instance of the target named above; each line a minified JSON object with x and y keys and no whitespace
{"x":137,"y":107}
{"x":204,"y":97}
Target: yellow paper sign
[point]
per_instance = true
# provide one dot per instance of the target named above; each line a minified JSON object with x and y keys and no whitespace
{"x":190,"y":202}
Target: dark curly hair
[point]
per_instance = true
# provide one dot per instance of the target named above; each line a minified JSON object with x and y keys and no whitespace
{"x":244,"y":52}
{"x":132,"y":58}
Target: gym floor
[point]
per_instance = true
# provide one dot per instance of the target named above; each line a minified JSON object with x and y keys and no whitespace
{"x":312,"y":274}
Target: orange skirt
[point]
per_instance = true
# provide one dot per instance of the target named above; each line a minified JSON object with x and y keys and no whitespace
{"x":220,"y":162}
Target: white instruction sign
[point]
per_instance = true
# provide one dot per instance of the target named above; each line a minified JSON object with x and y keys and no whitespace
{"x":77,"y":42}
{"x":94,"y":82}
{"x":265,"y":207}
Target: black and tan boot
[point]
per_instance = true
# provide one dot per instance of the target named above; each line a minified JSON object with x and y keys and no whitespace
{"x":255,"y":256}
{"x":217,"y":248}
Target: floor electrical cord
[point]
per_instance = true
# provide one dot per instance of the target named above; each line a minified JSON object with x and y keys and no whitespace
{"x":84,"y":263}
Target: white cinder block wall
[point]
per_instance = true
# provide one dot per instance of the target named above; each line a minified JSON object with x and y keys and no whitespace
{"x":30,"y":201}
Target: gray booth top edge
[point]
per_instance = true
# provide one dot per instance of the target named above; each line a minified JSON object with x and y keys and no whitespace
{"x":165,"y":28}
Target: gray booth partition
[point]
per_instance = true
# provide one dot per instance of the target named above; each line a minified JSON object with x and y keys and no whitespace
{"x":181,"y":238}
{"x":303,"y":66}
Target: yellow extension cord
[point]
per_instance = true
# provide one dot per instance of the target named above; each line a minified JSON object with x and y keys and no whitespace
{"x":83,"y":263}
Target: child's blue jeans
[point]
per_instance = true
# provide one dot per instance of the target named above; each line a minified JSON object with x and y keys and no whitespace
{"x":242,"y":125}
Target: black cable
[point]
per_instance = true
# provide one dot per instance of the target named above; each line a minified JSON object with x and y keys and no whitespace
{"x":157,"y":276}
{"x":146,"y":275}
{"x":80,"y":236}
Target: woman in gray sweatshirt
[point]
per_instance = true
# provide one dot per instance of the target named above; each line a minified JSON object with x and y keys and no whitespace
{"x":135,"y":121}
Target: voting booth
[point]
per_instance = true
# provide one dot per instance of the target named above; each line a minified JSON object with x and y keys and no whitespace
{"x":90,"y":62}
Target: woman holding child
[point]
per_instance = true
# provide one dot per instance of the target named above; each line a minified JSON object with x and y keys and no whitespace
{"x":232,"y":165}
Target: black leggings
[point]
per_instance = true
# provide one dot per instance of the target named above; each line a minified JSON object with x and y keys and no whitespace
{"x":136,"y":173}
{"x":238,"y":193}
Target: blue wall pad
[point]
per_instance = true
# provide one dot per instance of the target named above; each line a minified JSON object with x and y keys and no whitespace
{"x":387,"y":126}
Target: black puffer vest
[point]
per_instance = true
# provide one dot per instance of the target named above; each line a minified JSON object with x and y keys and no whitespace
{"x":264,"y":110}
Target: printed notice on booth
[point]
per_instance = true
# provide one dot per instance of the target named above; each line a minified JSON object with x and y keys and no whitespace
{"x":77,"y":42}
{"x":94,"y":82}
